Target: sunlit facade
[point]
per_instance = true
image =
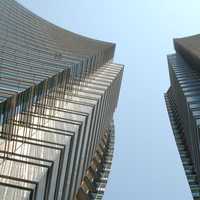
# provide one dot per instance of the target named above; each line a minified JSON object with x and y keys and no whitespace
{"x":58,"y":93}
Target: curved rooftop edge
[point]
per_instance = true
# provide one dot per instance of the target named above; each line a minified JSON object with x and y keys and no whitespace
{"x":69,"y":40}
{"x":58,"y":95}
{"x":44,"y":48}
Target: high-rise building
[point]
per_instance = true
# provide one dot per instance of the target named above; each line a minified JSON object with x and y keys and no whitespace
{"x":183,"y":104}
{"x":58,"y":93}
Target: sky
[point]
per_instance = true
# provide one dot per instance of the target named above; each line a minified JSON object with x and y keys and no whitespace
{"x":146,"y":162}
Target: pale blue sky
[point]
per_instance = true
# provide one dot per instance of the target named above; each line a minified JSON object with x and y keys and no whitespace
{"x":146,"y":164}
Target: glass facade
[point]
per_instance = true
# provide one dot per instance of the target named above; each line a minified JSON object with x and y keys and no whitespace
{"x":58,"y":93}
{"x":183,"y":104}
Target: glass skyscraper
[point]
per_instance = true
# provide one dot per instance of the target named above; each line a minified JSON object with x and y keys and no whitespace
{"x":183,"y":104}
{"x":58,"y":93}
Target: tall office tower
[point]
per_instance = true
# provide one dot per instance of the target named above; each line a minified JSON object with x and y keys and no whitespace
{"x":58,"y":93}
{"x":183,"y":104}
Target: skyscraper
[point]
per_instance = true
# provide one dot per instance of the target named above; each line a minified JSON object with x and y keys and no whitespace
{"x":183,"y":104}
{"x":58,"y":93}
